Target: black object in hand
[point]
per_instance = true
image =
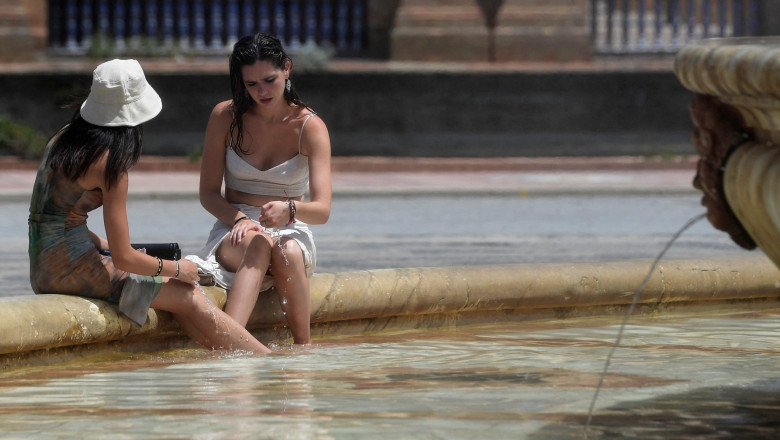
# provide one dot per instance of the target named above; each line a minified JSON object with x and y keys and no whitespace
{"x":166,"y":251}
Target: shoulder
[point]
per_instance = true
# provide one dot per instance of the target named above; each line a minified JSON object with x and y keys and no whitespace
{"x":95,"y":175}
{"x":224,"y":108}
{"x":223,"y":111}
{"x":218,"y":126}
{"x":220,"y":119}
{"x":314,"y":135}
{"x":311,"y":122}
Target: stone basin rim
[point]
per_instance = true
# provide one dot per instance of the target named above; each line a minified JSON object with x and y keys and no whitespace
{"x":763,"y":41}
{"x":411,"y":298}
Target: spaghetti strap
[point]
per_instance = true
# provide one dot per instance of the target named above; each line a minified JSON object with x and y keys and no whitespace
{"x":300,"y":136}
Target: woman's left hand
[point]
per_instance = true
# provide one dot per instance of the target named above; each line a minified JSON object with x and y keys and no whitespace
{"x":275,"y":214}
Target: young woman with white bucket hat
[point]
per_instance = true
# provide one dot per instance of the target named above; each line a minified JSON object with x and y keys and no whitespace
{"x":85,"y":166}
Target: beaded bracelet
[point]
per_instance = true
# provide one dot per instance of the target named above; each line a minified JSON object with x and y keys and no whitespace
{"x":159,"y":267}
{"x":291,"y":205}
{"x":240,"y":219}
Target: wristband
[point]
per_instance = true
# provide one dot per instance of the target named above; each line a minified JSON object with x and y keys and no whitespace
{"x":291,"y":205}
{"x":159,"y":267}
{"x":240,"y":219}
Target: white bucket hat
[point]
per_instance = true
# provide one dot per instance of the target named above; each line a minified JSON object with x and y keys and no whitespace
{"x":120,"y":96}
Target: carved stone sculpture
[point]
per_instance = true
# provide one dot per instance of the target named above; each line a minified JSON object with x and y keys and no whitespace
{"x":719,"y":131}
{"x":737,"y":118}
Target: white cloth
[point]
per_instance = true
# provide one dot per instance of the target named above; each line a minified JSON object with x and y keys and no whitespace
{"x":207,"y":261}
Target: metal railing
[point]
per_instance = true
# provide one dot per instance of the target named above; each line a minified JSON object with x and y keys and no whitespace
{"x":663,"y":26}
{"x":202,"y":26}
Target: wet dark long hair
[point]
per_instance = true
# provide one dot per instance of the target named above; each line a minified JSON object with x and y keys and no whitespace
{"x":247,"y":51}
{"x":79,"y":144}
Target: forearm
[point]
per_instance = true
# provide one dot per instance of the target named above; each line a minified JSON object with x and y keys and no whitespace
{"x":133,"y":261}
{"x":313,"y":212}
{"x":220,"y":208}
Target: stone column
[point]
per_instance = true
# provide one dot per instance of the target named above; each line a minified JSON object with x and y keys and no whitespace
{"x":543,"y":30}
{"x":439,"y":30}
{"x":380,"y":16}
{"x":737,"y":133}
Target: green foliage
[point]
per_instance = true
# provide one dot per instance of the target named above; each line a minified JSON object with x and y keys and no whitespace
{"x":20,"y":140}
{"x":311,"y":58}
{"x":102,"y":46}
{"x":195,"y":154}
{"x":307,"y":57}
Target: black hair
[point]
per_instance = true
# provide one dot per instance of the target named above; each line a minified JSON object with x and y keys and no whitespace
{"x":79,"y":144}
{"x":247,"y":51}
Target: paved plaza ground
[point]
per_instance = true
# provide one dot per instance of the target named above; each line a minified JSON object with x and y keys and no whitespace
{"x":391,"y":212}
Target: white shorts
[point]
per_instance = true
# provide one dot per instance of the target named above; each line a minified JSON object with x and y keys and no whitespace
{"x":207,"y":261}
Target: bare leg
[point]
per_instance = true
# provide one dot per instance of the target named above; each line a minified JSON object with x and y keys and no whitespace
{"x":202,"y":320}
{"x":292,"y":286}
{"x":249,"y":260}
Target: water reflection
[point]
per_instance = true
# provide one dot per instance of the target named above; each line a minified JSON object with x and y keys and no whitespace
{"x":690,"y":376}
{"x":746,"y":411}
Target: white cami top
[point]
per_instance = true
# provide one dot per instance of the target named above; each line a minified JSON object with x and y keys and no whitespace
{"x":288,"y":179}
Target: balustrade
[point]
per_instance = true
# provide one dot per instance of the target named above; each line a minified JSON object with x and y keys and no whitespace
{"x":204,"y":26}
{"x":642,"y":26}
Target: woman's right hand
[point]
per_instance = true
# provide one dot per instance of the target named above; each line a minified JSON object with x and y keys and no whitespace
{"x":241,"y":228}
{"x":188,"y":272}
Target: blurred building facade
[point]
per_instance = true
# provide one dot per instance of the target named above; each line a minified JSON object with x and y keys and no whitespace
{"x":622,"y":102}
{"x":397,"y":30}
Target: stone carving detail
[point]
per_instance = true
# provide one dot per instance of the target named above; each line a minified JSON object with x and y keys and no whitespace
{"x":751,"y":182}
{"x":719,"y":130}
{"x":737,"y":118}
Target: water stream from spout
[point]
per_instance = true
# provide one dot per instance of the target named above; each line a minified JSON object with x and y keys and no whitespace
{"x":630,"y":310}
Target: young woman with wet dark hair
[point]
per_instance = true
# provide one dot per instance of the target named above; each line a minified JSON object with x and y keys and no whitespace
{"x":270,"y":150}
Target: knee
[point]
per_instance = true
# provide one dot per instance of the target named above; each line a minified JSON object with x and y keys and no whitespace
{"x":190,"y":299}
{"x":257,"y":245}
{"x":288,"y":252}
{"x":181,"y":298}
